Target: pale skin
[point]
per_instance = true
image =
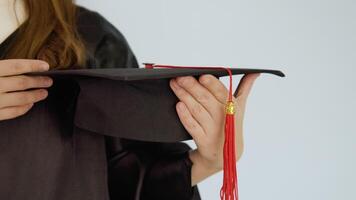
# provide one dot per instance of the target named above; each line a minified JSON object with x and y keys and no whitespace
{"x":202,"y":112}
{"x":14,"y":100}
{"x":201,"y":108}
{"x":18,"y":93}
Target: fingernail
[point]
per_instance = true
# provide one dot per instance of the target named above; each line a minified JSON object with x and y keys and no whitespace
{"x":44,"y":66}
{"x":48,"y":81}
{"x":175,"y":85}
{"x":44,"y":94}
{"x":180,"y":81}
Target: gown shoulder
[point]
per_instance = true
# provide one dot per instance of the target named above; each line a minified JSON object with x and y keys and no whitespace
{"x":106,"y":46}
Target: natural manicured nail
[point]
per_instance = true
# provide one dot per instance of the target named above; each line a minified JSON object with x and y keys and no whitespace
{"x":48,"y":81}
{"x":175,"y":84}
{"x":44,"y":66}
{"x":181,"y":81}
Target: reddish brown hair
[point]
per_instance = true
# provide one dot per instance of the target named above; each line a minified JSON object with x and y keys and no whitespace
{"x":49,"y":34}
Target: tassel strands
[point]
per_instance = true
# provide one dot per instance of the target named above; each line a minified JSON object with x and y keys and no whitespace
{"x":229,"y":190}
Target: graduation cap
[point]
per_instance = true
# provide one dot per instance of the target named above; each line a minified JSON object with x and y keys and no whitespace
{"x":133,"y":103}
{"x":138,"y":103}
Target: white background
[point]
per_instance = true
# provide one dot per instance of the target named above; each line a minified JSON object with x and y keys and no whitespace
{"x":300,"y":131}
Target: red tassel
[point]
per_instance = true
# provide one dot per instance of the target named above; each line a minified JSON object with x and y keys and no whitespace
{"x":229,"y":190}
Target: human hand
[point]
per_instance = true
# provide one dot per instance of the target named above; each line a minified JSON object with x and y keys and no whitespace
{"x":18,"y":92}
{"x":202,"y":112}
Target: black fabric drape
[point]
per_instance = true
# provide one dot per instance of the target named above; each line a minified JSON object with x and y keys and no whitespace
{"x":44,"y":157}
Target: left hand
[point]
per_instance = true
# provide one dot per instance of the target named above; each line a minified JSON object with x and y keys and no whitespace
{"x":202,"y":112}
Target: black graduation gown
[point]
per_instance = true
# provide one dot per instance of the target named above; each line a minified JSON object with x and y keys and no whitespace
{"x":44,"y":157}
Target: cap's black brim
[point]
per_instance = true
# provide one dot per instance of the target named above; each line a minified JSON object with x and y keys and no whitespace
{"x":131,"y":74}
{"x":130,"y":103}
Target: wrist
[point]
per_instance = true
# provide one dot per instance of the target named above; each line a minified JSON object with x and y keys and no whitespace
{"x":210,"y":166}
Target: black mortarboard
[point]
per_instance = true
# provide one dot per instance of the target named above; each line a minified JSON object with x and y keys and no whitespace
{"x":139,"y":104}
{"x":133,"y":103}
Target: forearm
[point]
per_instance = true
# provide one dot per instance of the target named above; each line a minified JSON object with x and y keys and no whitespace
{"x":201,"y":169}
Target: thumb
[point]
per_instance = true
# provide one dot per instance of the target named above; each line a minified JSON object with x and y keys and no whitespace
{"x":243,"y":90}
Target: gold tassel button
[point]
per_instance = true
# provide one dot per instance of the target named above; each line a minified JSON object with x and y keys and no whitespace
{"x":230,"y":108}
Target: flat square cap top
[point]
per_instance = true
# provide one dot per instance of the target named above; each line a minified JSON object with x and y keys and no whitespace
{"x":132,"y":103}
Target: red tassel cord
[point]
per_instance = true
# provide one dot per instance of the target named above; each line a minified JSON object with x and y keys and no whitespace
{"x":229,"y":189}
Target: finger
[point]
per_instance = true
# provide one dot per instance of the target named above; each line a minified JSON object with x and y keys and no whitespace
{"x":22,"y":98}
{"x":21,"y":66}
{"x":200,"y":114}
{"x":19,"y":83}
{"x":245,"y":85}
{"x":189,"y":123}
{"x":13,"y":112}
{"x":200,"y":94}
{"x":215,"y":86}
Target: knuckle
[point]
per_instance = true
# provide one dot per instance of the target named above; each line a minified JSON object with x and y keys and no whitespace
{"x":22,"y":82}
{"x":186,"y":81}
{"x":27,"y":97}
{"x":18,"y":68}
{"x":206,"y":79}
{"x":221,"y":115}
{"x":222,"y":96}
{"x":197,"y":109}
{"x":179,"y":91}
{"x":183,"y":94}
{"x":2,"y":104}
{"x":190,"y":124}
{"x":32,"y":65}
{"x":2,"y":84}
{"x":203,"y":97}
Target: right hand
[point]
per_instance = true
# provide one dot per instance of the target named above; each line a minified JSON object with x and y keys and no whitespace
{"x":18,"y":92}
